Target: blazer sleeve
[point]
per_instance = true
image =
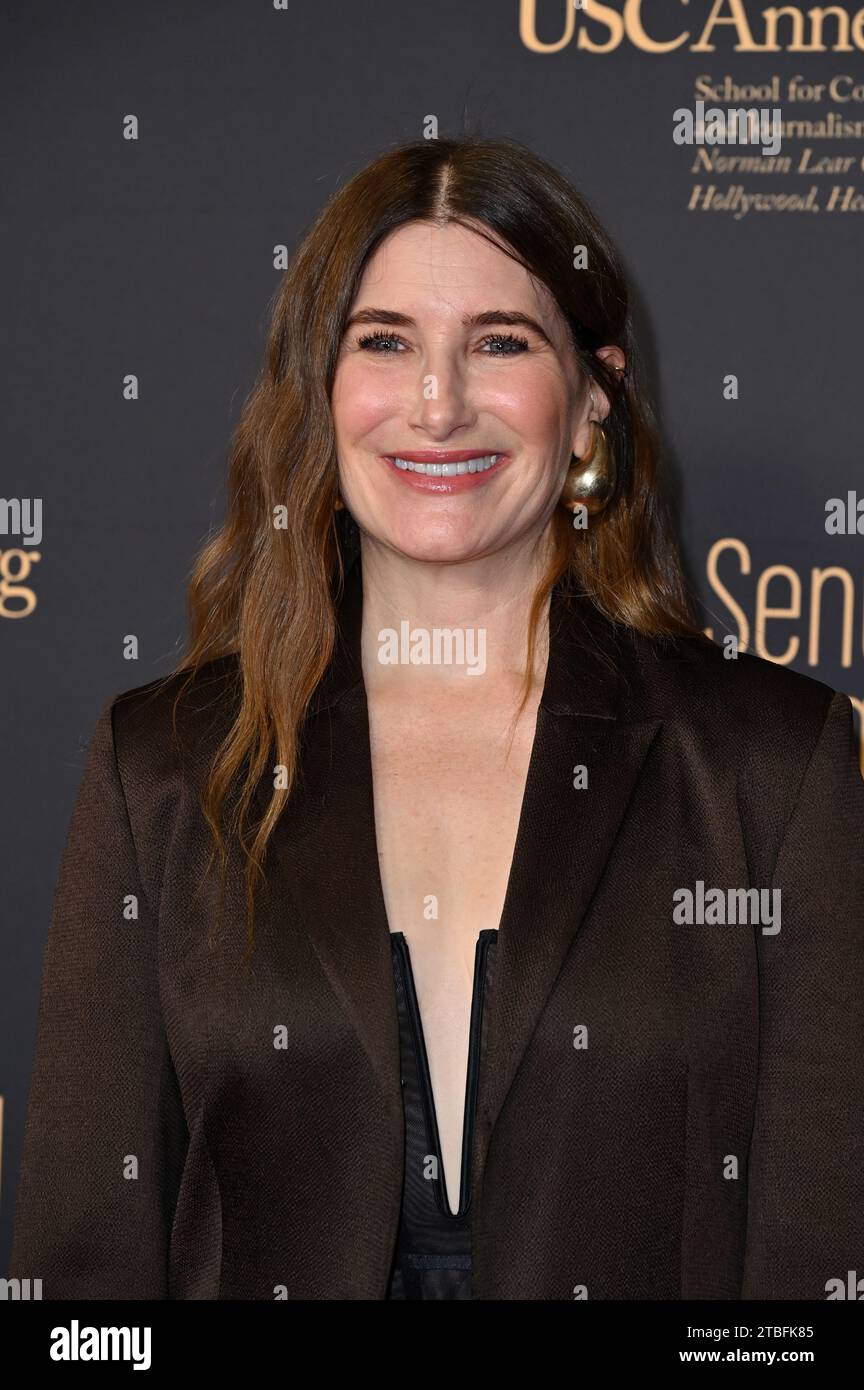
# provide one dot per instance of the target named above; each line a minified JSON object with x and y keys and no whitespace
{"x":806,"y":1170}
{"x":105,"y":1136}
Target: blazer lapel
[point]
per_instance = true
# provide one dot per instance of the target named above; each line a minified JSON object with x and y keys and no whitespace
{"x":563,"y":844}
{"x":327,"y":855}
{"x":327,"y":851}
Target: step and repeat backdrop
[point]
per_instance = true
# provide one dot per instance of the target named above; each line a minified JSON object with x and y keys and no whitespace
{"x":161,"y":160}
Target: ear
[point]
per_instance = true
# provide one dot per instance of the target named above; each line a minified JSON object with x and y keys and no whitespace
{"x":599,"y":409}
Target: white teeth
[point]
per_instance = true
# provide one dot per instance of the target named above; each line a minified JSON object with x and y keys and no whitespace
{"x":448,"y":470}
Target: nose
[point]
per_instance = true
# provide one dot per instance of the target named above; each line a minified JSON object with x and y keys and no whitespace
{"x":441,"y":403}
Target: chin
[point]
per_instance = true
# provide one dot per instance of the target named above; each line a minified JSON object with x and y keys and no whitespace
{"x":437,"y":545}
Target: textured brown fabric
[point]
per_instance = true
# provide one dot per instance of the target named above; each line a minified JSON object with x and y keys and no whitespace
{"x":263,"y":1169}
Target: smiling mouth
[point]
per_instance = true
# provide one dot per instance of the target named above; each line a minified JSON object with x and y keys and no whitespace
{"x":445,"y":466}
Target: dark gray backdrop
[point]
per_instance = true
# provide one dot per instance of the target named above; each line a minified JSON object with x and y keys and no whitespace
{"x":154,"y":257}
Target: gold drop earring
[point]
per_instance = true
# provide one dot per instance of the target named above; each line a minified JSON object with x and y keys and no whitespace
{"x":591,"y":479}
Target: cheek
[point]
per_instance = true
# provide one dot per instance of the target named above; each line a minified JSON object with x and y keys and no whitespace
{"x":533,"y":404}
{"x":361,"y":400}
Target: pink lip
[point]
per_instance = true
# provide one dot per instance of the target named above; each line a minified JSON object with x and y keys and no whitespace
{"x":459,"y":482}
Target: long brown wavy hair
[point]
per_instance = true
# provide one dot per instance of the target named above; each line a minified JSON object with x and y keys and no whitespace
{"x":268,"y":593}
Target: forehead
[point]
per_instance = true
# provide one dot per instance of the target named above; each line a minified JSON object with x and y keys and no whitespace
{"x":441,"y":269}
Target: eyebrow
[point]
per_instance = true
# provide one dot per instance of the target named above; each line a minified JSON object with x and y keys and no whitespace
{"x":509,"y":318}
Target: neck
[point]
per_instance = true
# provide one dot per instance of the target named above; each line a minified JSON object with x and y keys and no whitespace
{"x":484,"y":603}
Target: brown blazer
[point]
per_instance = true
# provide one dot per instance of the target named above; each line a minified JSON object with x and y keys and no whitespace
{"x":609,"y":1167}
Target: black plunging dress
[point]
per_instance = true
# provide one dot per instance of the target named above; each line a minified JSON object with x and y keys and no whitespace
{"x":433,"y":1246}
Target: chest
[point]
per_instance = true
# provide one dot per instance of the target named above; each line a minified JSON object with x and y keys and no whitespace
{"x":448,"y":792}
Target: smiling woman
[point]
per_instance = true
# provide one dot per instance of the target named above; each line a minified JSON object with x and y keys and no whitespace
{"x":479,"y":1053}
{"x":472,"y":365}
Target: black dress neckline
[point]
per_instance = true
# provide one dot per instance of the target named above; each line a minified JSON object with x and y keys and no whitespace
{"x":481,"y":947}
{"x":432,"y":1258}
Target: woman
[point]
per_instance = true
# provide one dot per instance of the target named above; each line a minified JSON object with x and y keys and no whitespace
{"x":551,"y":973}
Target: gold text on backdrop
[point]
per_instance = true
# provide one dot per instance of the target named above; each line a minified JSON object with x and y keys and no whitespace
{"x":775,"y":29}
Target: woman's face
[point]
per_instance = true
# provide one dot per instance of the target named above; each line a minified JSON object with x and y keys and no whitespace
{"x":419,"y":375}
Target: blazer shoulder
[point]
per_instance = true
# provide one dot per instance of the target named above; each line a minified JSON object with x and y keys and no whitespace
{"x":178,"y":719}
{"x":744,"y":703}
{"x":748,"y":727}
{"x":702,"y":673}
